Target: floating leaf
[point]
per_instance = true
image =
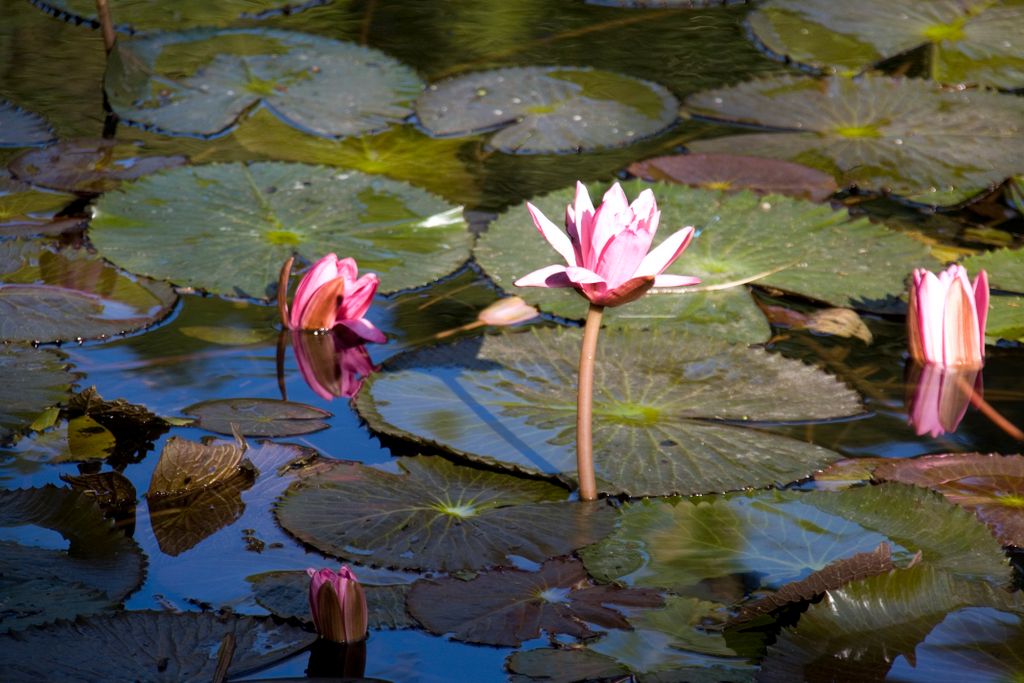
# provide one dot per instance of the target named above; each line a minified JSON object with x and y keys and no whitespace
{"x":20,"y":128}
{"x":1005,"y":319}
{"x":906,"y":136}
{"x":113,"y":491}
{"x":200,"y":82}
{"x":436,"y":516}
{"x":540,"y":110}
{"x":507,"y":606}
{"x":135,"y":427}
{"x":250,"y":218}
{"x":1005,"y":268}
{"x":99,"y":567}
{"x":147,"y":646}
{"x":22,"y":203}
{"x":563,"y":666}
{"x":777,"y":537}
{"x":50,"y":295}
{"x":34,"y":379}
{"x":737,"y":172}
{"x":88,"y":165}
{"x":971,"y":42}
{"x":150,"y":15}
{"x":258,"y":416}
{"x":187,"y":466}
{"x":659,"y":428}
{"x":286,"y":594}
{"x":684,"y":4}
{"x":789,"y":244}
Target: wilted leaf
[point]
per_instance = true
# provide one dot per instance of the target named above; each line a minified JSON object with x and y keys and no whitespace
{"x":188,"y":466}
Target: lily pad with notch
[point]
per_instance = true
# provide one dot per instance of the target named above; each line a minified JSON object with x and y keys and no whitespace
{"x":34,"y":380}
{"x":904,"y":136}
{"x":265,"y":417}
{"x":436,"y":516}
{"x":201,"y":82}
{"x":249,"y":218}
{"x":21,"y":128}
{"x":151,"y":646}
{"x":544,"y":110}
{"x":967,"y":43}
{"x":659,"y":427}
{"x":48,"y":295}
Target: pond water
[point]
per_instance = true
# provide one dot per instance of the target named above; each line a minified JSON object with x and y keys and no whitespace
{"x":490,"y":410}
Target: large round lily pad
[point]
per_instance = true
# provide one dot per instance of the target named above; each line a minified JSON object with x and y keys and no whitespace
{"x":131,"y":16}
{"x":538,"y":110}
{"x":781,"y":242}
{"x":50,"y":295}
{"x":34,"y":380}
{"x":258,"y":417}
{"x":200,"y":82}
{"x":906,"y":136}
{"x":665,"y":408}
{"x":227,"y":228}
{"x":436,"y":515}
{"x":971,"y":42}
{"x":781,"y":537}
{"x":20,"y":128}
{"x":147,"y":646}
{"x":98,"y":568}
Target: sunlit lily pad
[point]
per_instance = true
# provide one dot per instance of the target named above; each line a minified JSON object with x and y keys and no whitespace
{"x":200,"y":82}
{"x":34,"y":380}
{"x":20,"y":128}
{"x":258,"y":416}
{"x":684,"y":4}
{"x":778,"y":537}
{"x":131,"y":16}
{"x":20,"y":201}
{"x":250,"y":218}
{"x":436,"y":515}
{"x":147,"y":646}
{"x":88,"y":165}
{"x":738,"y":172}
{"x":134,"y":427}
{"x":905,"y":136}
{"x":98,"y":565}
{"x":1005,"y":268}
{"x":507,"y":606}
{"x":1005,"y":319}
{"x":539,"y":110}
{"x":50,"y":295}
{"x":789,"y":244}
{"x":286,"y":594}
{"x":972,"y":42}
{"x":664,"y":408}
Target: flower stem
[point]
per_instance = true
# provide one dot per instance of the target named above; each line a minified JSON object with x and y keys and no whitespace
{"x":584,"y":405}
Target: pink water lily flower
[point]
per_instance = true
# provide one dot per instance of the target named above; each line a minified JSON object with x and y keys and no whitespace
{"x":338,"y":605}
{"x":946,"y":317}
{"x":330,"y":294}
{"x":606,"y":250}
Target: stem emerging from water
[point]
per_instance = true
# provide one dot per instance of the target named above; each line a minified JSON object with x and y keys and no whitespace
{"x":106,"y":25}
{"x":584,"y":405}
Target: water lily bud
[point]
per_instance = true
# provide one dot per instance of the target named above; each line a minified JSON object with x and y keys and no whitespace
{"x":946,"y":317}
{"x":329,"y":294}
{"x":509,"y":311}
{"x":338,"y":605}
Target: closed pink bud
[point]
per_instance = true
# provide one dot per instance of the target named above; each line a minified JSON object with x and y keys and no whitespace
{"x":330,"y":294}
{"x":946,"y":317}
{"x":338,"y":605}
{"x":508,"y":311}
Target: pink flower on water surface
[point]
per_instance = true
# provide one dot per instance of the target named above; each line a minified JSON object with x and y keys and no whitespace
{"x":941,"y":396}
{"x":338,"y":605}
{"x":330,"y":294}
{"x":606,"y":250}
{"x":946,"y":317}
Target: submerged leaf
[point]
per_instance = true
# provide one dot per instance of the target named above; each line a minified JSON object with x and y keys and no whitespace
{"x":20,"y":128}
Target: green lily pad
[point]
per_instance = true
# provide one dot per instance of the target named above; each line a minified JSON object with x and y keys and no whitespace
{"x":258,"y":417}
{"x":1005,"y":268}
{"x":738,"y":172}
{"x":436,"y":516}
{"x":859,"y":632}
{"x":789,"y":244}
{"x":22,"y":202}
{"x":1015,"y":193}
{"x":1005,"y":319}
{"x":88,"y":165}
{"x":250,"y":218}
{"x":563,"y":666}
{"x":50,"y":295}
{"x":100,"y":566}
{"x":148,"y":646}
{"x":504,"y":607}
{"x":20,"y":128}
{"x":286,"y":594}
{"x":131,"y":16}
{"x":200,"y":82}
{"x":541,"y":110}
{"x":971,"y":42}
{"x":778,"y":537}
{"x":684,"y":4}
{"x":39,"y":601}
{"x":34,"y":380}
{"x":903,"y":136}
{"x":660,"y":426}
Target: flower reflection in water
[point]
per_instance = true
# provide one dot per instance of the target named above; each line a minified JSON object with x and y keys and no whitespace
{"x":940,"y":397}
{"x":334,"y":362}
